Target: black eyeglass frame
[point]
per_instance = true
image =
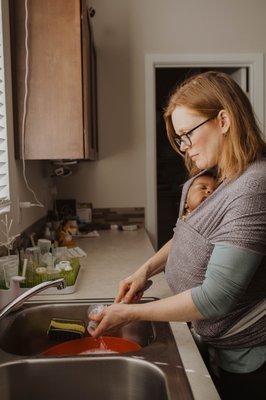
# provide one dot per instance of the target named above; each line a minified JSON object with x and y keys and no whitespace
{"x":179,"y":139}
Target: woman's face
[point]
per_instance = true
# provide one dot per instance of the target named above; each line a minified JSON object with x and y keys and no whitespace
{"x":207,"y":140}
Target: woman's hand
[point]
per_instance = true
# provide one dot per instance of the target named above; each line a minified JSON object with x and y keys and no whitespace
{"x":131,"y":288}
{"x":111,"y":317}
{"x":179,"y":307}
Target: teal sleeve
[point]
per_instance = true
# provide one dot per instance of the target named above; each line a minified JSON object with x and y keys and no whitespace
{"x":229,"y":272}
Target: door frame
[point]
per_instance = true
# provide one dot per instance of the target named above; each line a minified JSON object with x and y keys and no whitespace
{"x":255,"y":63}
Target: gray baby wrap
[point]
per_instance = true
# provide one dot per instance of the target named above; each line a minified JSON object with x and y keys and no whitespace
{"x":236,"y":214}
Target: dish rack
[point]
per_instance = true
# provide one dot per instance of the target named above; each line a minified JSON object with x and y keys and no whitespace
{"x":33,"y":279}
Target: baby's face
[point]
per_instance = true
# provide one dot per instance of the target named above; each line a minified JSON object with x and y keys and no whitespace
{"x":201,"y":188}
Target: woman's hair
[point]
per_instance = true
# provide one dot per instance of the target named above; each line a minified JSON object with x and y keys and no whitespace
{"x":207,"y":94}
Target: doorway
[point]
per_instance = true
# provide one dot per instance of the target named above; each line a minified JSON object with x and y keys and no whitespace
{"x":165,"y":170}
{"x":170,"y":169}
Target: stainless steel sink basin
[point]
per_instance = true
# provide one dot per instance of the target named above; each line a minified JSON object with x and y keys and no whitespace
{"x":95,"y":378}
{"x":155,"y":371}
{"x":24,"y":333}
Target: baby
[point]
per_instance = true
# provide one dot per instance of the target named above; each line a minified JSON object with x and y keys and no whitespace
{"x":201,"y":188}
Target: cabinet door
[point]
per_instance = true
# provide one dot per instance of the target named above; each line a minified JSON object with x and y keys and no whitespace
{"x":54,"y":120}
{"x":89,"y":87}
{"x":94,"y":100}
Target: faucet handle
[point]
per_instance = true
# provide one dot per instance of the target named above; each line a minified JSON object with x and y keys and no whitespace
{"x":14,"y":291}
{"x":14,"y":284}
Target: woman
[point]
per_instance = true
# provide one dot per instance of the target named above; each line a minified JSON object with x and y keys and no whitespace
{"x":215,"y":262}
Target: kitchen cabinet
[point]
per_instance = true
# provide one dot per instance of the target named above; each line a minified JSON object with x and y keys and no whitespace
{"x":61,"y":118}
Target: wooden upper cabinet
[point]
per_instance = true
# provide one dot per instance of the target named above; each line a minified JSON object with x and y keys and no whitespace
{"x":61,"y":118}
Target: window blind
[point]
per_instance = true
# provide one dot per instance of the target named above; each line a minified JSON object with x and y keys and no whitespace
{"x":4,"y":173}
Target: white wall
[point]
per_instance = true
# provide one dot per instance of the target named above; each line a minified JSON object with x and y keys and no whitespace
{"x":125,"y":30}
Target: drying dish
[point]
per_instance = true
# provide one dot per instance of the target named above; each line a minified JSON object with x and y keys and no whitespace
{"x":89,"y":345}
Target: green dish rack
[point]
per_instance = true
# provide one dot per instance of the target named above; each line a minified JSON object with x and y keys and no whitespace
{"x":70,"y":277}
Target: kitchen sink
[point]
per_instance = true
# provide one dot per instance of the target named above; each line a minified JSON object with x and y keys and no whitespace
{"x":155,"y":370}
{"x":95,"y":378}
{"x":25,"y":332}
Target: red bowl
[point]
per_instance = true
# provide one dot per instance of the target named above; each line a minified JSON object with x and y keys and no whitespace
{"x":89,"y":345}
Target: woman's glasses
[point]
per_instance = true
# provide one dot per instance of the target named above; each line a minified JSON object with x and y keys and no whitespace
{"x":185,"y":138}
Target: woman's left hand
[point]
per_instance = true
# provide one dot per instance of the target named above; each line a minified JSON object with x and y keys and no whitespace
{"x":112,"y":317}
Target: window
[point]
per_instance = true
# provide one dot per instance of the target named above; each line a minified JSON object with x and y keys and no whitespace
{"x":4,"y":175}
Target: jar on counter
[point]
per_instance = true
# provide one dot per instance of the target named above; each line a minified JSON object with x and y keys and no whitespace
{"x":84,"y":212}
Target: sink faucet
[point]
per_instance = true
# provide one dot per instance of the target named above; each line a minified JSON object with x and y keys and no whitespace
{"x":20,"y":300}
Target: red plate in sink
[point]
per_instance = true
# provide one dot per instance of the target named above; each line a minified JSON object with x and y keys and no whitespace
{"x":89,"y":345}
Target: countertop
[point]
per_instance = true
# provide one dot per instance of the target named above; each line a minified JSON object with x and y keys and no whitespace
{"x":113,"y":256}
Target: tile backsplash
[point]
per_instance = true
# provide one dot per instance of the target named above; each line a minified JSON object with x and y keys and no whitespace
{"x":119,"y":216}
{"x":123,"y":215}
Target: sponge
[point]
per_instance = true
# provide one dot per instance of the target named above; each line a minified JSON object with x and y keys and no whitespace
{"x":62,"y":329}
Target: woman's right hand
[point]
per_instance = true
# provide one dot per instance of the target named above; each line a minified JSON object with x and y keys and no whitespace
{"x":131,"y":288}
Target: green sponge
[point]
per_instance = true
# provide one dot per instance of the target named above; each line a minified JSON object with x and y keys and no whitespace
{"x":62,"y":329}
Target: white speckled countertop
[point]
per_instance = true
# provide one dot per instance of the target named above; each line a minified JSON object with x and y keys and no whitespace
{"x":115,"y":255}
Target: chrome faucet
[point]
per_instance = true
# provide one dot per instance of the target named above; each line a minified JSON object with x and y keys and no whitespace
{"x":20,"y":300}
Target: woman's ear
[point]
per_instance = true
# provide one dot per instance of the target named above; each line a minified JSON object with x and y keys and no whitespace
{"x":224,"y":121}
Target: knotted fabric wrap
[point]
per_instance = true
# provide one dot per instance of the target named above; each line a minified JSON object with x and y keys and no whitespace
{"x":235,"y":213}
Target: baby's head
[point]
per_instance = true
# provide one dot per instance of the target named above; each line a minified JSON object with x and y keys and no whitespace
{"x":201,"y":188}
